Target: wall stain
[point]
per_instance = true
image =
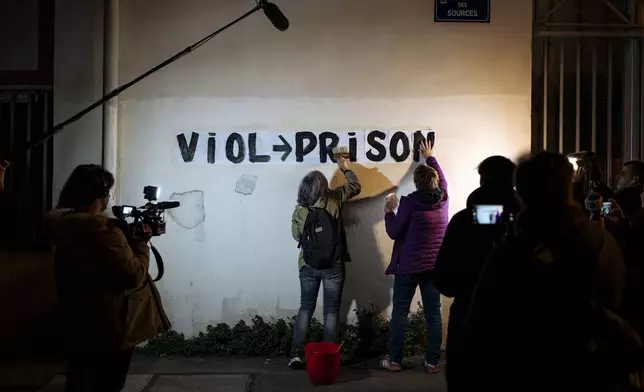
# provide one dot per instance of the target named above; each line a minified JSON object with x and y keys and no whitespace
{"x":192,"y":214}
{"x":246,"y":184}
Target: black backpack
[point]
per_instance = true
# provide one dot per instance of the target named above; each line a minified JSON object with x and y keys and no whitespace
{"x":321,"y":240}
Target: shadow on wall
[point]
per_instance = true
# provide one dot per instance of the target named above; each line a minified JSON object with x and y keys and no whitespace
{"x":369,"y":246}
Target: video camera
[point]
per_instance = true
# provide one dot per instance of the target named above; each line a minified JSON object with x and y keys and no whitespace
{"x":586,"y":160}
{"x":150,"y":214}
{"x":586,"y":163}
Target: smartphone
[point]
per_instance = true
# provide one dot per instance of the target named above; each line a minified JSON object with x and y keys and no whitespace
{"x":487,"y":214}
{"x":606,"y":207}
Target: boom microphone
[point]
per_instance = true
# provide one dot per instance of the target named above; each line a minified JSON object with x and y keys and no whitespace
{"x":274,"y":14}
{"x":593,"y":204}
{"x":271,"y":11}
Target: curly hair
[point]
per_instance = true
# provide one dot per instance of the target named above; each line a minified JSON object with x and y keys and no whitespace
{"x":425,"y":178}
{"x":314,"y":186}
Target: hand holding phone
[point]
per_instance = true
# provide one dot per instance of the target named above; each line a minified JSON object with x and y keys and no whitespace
{"x":607,"y":207}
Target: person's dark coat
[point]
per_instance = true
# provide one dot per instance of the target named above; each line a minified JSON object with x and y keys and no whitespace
{"x":631,"y":233}
{"x":633,"y":250}
{"x":459,"y":262}
{"x":109,"y":301}
{"x":527,"y":319}
{"x":11,"y":216}
{"x":466,"y":245}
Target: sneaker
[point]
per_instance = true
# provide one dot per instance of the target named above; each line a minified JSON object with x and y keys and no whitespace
{"x":432,"y":369}
{"x":296,"y":363}
{"x":387,"y":364}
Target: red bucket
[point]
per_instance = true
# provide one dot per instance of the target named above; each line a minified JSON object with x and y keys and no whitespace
{"x":322,"y":362}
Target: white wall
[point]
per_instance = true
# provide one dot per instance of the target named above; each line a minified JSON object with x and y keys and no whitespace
{"x":78,"y":82}
{"x":343,"y":64}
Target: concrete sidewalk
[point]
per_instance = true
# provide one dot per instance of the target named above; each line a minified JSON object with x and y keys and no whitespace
{"x":148,"y":374}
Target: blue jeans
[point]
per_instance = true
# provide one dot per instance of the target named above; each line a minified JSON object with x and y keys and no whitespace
{"x":404,"y":290}
{"x":310,"y":278}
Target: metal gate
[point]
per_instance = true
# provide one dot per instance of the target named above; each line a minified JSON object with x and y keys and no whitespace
{"x":585,"y":79}
{"x":25,"y":114}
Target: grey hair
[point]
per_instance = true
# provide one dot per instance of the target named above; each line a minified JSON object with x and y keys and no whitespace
{"x":314,"y":186}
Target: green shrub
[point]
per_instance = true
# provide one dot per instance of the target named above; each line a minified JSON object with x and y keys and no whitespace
{"x":366,"y":339}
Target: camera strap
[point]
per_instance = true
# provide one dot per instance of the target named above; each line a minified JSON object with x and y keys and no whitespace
{"x":159,"y":260}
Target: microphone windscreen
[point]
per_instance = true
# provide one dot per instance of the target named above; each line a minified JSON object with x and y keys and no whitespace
{"x":166,"y":205}
{"x":593,"y":202}
{"x":276,"y":16}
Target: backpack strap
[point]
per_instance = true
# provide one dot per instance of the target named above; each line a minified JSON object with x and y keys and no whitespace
{"x":308,"y":209}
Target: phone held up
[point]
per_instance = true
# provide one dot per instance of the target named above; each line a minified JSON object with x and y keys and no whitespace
{"x":487,"y":214}
{"x":606,"y":208}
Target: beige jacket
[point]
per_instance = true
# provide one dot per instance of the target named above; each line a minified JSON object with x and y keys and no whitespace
{"x":108,"y":299}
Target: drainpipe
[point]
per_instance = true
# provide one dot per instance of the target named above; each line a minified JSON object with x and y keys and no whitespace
{"x":110,"y":82}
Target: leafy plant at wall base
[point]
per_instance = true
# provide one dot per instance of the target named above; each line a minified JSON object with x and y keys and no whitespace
{"x":416,"y":333}
{"x":366,"y":339}
{"x":372,"y":332}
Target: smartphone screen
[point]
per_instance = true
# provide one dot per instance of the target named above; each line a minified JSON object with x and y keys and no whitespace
{"x":606,"y":208}
{"x":487,"y":214}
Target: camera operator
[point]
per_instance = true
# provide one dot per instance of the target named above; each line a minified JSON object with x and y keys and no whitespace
{"x":108,"y":301}
{"x":588,"y":179}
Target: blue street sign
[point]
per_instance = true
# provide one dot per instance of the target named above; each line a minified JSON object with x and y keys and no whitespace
{"x":462,"y":11}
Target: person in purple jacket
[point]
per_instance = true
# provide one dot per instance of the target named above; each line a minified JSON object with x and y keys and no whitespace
{"x":417,"y":230}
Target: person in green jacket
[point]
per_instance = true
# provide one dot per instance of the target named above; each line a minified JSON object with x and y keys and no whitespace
{"x":314,"y":193}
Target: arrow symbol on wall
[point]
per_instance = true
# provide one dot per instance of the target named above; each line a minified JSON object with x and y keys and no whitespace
{"x":285,"y":148}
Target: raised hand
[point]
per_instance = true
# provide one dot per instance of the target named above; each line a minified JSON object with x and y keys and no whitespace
{"x":343,"y":163}
{"x":426,"y":149}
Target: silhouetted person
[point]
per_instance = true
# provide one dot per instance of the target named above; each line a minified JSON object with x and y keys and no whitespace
{"x":109,"y":302}
{"x":318,"y":228}
{"x":417,"y":229}
{"x":626,"y":222}
{"x":461,"y":257}
{"x":587,"y":179}
{"x":536,"y":309}
{"x":632,"y":174}
{"x":626,"y":202}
